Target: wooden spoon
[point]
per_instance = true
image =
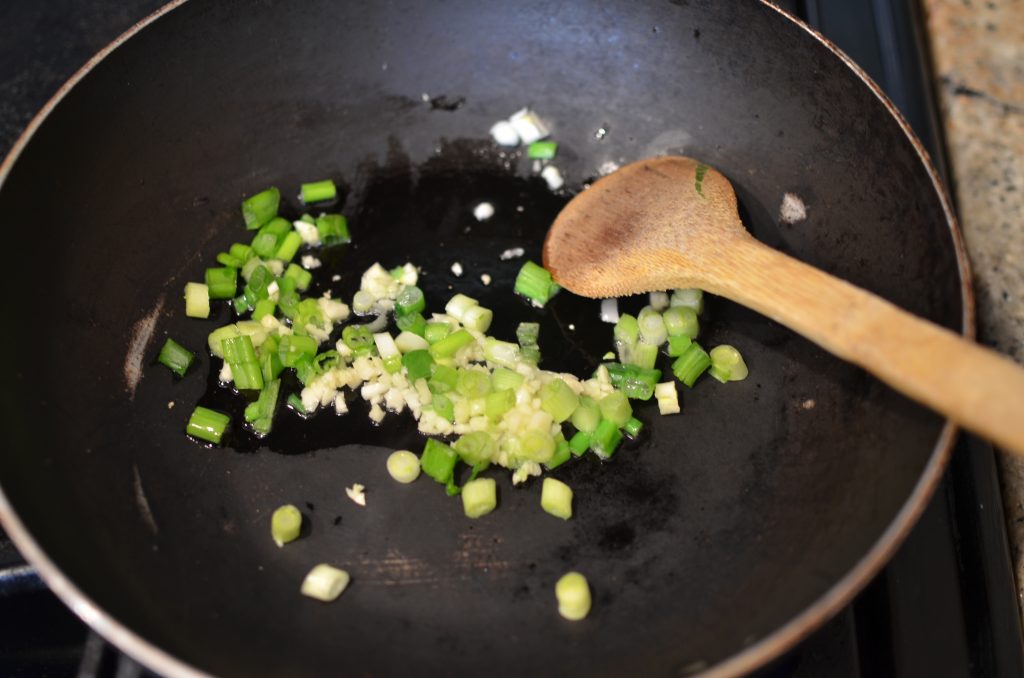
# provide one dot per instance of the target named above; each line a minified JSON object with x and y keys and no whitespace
{"x":671,"y":222}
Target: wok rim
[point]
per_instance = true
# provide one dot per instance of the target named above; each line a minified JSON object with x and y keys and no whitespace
{"x":758,"y":653}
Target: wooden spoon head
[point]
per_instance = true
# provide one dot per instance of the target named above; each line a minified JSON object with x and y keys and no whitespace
{"x":652,"y":225}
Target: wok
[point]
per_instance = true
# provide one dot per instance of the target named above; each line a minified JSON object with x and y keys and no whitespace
{"x":715,"y":542}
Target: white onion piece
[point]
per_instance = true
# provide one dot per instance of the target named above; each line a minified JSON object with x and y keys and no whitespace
{"x":610,"y":310}
{"x":378,"y":324}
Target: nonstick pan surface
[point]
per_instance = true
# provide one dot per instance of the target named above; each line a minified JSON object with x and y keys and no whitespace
{"x":715,"y":541}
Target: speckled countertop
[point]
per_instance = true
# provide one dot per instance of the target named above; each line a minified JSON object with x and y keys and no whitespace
{"x":977,"y":49}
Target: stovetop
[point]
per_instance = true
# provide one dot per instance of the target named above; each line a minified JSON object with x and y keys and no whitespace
{"x":944,"y":606}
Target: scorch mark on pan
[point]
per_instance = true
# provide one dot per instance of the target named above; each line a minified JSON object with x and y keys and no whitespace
{"x":475,"y":554}
{"x":142,"y":332}
{"x":141,"y":501}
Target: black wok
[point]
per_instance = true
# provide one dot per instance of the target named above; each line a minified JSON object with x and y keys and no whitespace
{"x":716,"y":541}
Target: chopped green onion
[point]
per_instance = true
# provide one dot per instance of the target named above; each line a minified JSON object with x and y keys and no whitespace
{"x":587,"y":415}
{"x":417,"y":364}
{"x":473,"y":383}
{"x":289,"y":246}
{"x":294,"y":347}
{"x":681,"y":321}
{"x":388,"y":352}
{"x":222,"y":282}
{"x":477,"y":407}
{"x":638,"y":383}
{"x":197,"y":300}
{"x":535,"y":283}
{"x":626,"y":334}
{"x":530,"y":354}
{"x":579,"y":443}
{"x":558,"y":400}
{"x":264,"y":307}
{"x":325,"y":583}
{"x":605,"y":439}
{"x":615,"y":408}
{"x":260,"y":208}
{"x":271,"y":365}
{"x":633,"y":427}
{"x":362,"y":302}
{"x":412,"y":322}
{"x":436,"y":331}
{"x":498,"y":403}
{"x":479,"y":497}
{"x":691,"y":364}
{"x":542,"y":150}
{"x":438,"y":460}
{"x":658,"y":301}
{"x":407,"y":341}
{"x":250,"y":266}
{"x":241,"y":252}
{"x":295,"y":402}
{"x":562,"y":454}
{"x":727,"y":364}
{"x":410,"y":300}
{"x":260,"y":414}
{"x":652,"y":326}
{"x":259,"y":280}
{"x":305,"y":370}
{"x":477,"y":318}
{"x":573,"y":595}
{"x":447,"y":347}
{"x":269,"y":345}
{"x":403,"y":466}
{"x":288,"y":301}
{"x":443,"y":378}
{"x":443,"y":406}
{"x":644,"y":355}
{"x":318,"y":191}
{"x":536,"y":445}
{"x":226,"y":259}
{"x":458,"y":305}
{"x":264,"y":245}
{"x":326,"y":361}
{"x":301,"y":276}
{"x":207,"y":424}
{"x":476,"y":447}
{"x":668,"y":398}
{"x":359,"y":339}
{"x":676,"y":345}
{"x":285,"y":524}
{"x":252,"y":329}
{"x":503,"y":353}
{"x":175,"y":357}
{"x":333,"y":229}
{"x":528,"y":333}
{"x":689,"y":298}
{"x":240,"y":355}
{"x":278,"y":227}
{"x":556,"y":498}
{"x":307,"y":313}
{"x":503,"y":378}
{"x":247,"y":376}
{"x":241,"y":304}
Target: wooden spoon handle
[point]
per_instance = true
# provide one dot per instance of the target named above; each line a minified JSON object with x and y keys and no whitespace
{"x":974,"y":386}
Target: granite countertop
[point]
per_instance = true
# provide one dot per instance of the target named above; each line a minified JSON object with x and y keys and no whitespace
{"x":977,"y":49}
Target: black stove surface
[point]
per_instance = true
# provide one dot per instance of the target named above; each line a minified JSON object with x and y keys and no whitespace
{"x":944,"y":606}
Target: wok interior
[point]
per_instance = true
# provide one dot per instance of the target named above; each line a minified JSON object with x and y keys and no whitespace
{"x":724,"y":524}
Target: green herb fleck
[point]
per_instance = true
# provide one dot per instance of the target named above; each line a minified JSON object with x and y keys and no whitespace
{"x":702,"y":169}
